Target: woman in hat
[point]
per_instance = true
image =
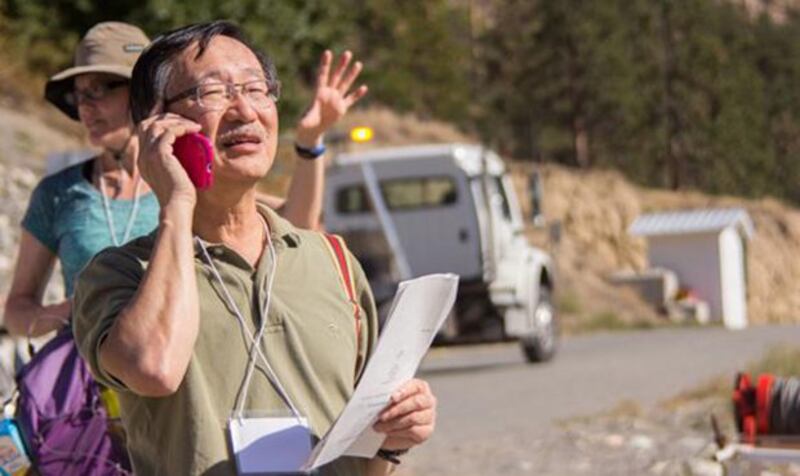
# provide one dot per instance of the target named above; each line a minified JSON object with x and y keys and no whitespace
{"x":85,"y":208}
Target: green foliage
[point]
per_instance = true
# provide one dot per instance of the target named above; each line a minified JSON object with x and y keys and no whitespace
{"x":783,"y":360}
{"x":293,"y":33}
{"x":675,"y":93}
{"x":418,"y":56}
{"x":408,"y":49}
{"x":610,"y":321}
{"x":574,"y":71}
{"x":568,"y":302}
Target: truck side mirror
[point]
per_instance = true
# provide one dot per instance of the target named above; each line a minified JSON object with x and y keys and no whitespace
{"x":536,"y":195}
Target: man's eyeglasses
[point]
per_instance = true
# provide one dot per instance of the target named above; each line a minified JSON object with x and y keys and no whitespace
{"x":95,"y":92}
{"x":217,"y":96}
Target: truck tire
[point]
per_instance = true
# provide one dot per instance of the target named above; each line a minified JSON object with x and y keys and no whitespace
{"x":541,"y":344}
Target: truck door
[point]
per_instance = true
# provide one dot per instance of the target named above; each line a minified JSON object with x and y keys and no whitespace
{"x":505,"y":212}
{"x":435,"y":224}
{"x":500,"y":219}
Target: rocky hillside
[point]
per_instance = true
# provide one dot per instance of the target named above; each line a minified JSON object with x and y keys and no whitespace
{"x":28,"y":133}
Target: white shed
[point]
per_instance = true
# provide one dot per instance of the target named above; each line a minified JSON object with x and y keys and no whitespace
{"x":707,"y":249}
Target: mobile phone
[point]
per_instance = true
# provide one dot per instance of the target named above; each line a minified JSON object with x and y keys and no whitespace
{"x":196,"y":154}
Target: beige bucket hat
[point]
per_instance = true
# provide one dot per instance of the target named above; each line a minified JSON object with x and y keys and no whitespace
{"x":108,"y":47}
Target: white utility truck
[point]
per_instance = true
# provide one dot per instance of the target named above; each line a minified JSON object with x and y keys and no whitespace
{"x":410,"y":211}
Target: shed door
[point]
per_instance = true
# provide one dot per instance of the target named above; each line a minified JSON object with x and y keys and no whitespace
{"x":734,"y":294}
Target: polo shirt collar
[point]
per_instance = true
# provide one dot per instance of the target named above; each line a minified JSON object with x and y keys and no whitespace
{"x":282,"y":234}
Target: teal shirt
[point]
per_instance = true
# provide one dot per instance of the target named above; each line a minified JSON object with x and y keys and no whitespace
{"x":66,"y":215}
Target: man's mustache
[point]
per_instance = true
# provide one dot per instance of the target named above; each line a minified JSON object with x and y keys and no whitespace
{"x":244,"y":130}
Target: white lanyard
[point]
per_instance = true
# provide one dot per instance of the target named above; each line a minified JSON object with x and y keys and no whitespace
{"x":254,"y":341}
{"x":107,"y":209}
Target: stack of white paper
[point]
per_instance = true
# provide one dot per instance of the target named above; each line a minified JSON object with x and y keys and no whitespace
{"x":418,"y":311}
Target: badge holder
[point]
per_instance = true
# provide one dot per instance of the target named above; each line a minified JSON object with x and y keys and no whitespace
{"x":266,"y":443}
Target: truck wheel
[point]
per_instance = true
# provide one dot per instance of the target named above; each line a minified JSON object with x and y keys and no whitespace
{"x":540,"y":345}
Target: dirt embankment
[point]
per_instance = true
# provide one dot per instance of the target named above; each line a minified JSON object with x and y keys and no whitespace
{"x":595,"y":209}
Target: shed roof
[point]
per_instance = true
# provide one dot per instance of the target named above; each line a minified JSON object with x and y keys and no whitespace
{"x":705,"y":220}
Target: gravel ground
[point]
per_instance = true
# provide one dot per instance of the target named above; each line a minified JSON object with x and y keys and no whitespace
{"x":669,"y":440}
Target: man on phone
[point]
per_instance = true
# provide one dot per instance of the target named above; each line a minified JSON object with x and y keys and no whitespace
{"x":227,"y":311}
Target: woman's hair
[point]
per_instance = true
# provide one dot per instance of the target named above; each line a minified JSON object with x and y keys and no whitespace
{"x":152,"y":71}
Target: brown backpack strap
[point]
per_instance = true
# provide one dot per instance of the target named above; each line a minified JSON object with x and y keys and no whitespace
{"x":338,"y":251}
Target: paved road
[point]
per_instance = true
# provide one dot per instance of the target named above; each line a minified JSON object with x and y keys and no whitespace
{"x":488,"y":393}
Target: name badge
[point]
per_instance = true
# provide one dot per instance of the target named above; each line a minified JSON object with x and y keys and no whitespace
{"x":271,"y":445}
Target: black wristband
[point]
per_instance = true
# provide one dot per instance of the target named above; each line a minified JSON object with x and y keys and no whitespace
{"x":392,"y":456}
{"x":309,"y":154}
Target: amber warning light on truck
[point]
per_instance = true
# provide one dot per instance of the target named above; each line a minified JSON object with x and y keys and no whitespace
{"x":361,"y":134}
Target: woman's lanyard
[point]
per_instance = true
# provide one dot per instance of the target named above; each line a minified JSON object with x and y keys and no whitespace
{"x":110,"y":217}
{"x":254,"y":341}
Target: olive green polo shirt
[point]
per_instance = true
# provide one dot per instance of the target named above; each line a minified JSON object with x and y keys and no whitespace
{"x":310,"y":342}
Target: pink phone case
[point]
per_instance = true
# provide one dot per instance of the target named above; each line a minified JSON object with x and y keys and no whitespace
{"x":196,"y":155}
